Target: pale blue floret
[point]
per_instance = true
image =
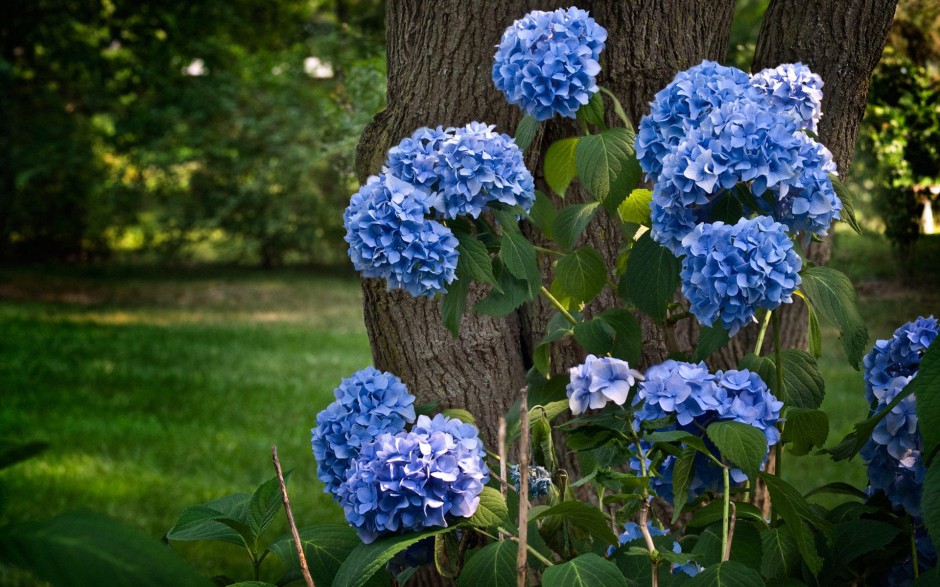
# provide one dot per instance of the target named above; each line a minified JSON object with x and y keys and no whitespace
{"x":389,"y":237}
{"x":729,"y":271}
{"x":410,"y":481}
{"x":696,"y":398}
{"x":368,"y":403}
{"x":547,"y":62}
{"x":894,"y":451}
{"x":598,"y":381}
{"x":795,"y":90}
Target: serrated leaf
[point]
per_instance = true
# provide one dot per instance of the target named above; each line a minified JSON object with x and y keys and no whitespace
{"x":652,"y":277}
{"x":474,"y":260}
{"x":781,"y":555}
{"x":543,"y":214}
{"x":833,"y":297}
{"x":804,"y":386}
{"x":461,"y":414}
{"x":710,"y":339}
{"x":494,"y":564}
{"x":368,"y":559}
{"x":858,"y":537}
{"x":799,"y":517}
{"x":224,"y":519}
{"x":727,"y":574}
{"x":525,"y":131}
{"x":571,"y":222}
{"x":558,"y":327}
{"x":839,"y":488}
{"x":806,"y":428}
{"x":682,"y":472}
{"x":560,"y":166}
{"x":593,"y":111}
{"x":543,"y":449}
{"x":815,"y":335}
{"x":325,"y":548}
{"x":588,"y":570}
{"x":582,"y":274}
{"x":518,"y":256}
{"x":930,"y":502}
{"x":636,"y":207}
{"x":454,"y":303}
{"x":264,"y":505}
{"x":579,"y":515}
{"x":742,"y":444}
{"x":83,"y":547}
{"x":492,"y":510}
{"x":512,"y":293}
{"x":595,"y":335}
{"x":848,"y":202}
{"x":628,"y":335}
{"x":925,"y":386}
{"x":605,"y":164}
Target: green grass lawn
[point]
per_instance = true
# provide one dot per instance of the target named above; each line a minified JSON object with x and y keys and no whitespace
{"x":157,"y":391}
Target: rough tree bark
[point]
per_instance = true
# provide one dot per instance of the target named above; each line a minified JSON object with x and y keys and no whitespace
{"x":439,"y":59}
{"x":439,"y":62}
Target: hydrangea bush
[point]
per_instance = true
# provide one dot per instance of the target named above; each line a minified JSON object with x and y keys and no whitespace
{"x":669,"y":448}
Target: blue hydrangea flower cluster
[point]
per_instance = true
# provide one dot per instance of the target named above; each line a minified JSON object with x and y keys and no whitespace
{"x":683,"y":105}
{"x":795,"y":90}
{"x":414,"y":480}
{"x":696,"y":397}
{"x":713,"y":128}
{"x":476,"y":166}
{"x":540,"y":480}
{"x":389,"y":237}
{"x":893,"y":454}
{"x":729,"y":271}
{"x":598,"y":381}
{"x":632,"y":533}
{"x":546,"y":62}
{"x":463,"y":169}
{"x":368,"y":403}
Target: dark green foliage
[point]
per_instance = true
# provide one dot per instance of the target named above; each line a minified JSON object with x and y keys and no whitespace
{"x":82,"y":548}
{"x":163,"y":126}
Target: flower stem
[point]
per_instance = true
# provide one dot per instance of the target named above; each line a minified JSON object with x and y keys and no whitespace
{"x":778,"y":359}
{"x":558,"y":305}
{"x":726,"y":515}
{"x":548,"y":251}
{"x":914,"y":551}
{"x":522,"y":566}
{"x":763,"y":330}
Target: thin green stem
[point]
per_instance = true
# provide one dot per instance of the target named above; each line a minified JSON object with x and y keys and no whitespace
{"x":763,"y":331}
{"x":725,"y":514}
{"x":558,"y":305}
{"x":512,"y":537}
{"x":677,"y":317}
{"x":778,"y":359}
{"x":914,"y":551}
{"x":548,"y":251}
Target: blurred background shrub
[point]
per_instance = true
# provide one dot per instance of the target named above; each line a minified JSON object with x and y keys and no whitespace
{"x":212,"y":130}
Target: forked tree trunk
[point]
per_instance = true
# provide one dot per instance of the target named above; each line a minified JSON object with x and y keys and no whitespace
{"x":440,"y":56}
{"x":439,"y":62}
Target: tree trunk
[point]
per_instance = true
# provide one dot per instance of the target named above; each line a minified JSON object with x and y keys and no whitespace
{"x":439,"y":62}
{"x":842,"y":42}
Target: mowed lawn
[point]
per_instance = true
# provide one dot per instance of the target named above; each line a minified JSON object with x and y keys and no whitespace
{"x":159,"y":390}
{"x":156,"y":391}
